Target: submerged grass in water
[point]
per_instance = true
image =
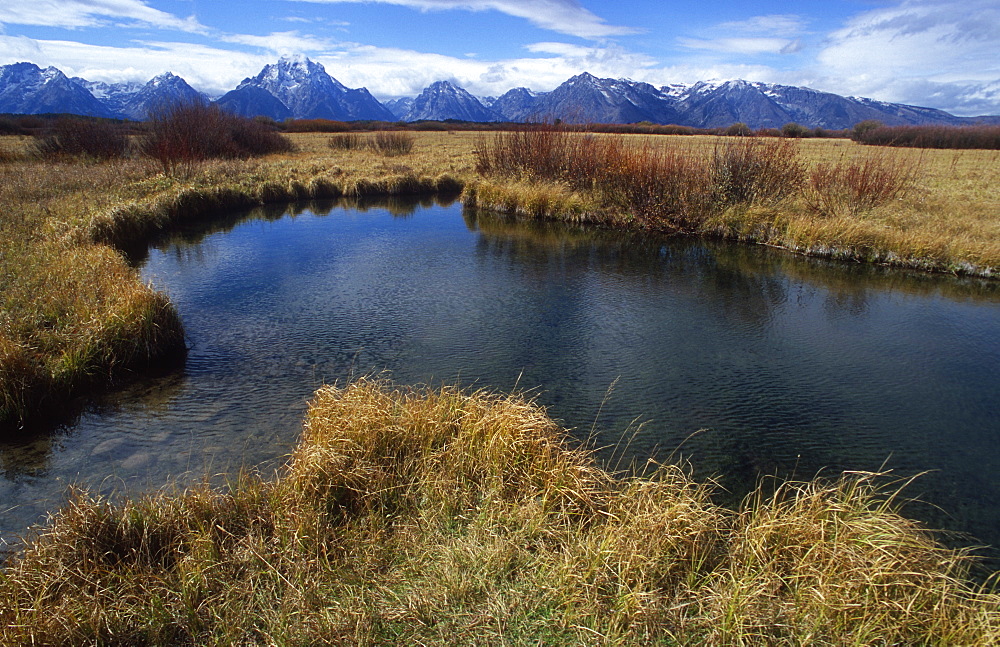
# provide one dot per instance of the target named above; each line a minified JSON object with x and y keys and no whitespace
{"x":437,"y":516}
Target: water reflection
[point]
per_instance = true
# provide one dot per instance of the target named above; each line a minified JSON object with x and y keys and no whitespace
{"x":622,"y":250}
{"x":187,"y":237}
{"x":790,"y":366}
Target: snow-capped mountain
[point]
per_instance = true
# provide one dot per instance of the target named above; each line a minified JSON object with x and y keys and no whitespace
{"x":708,"y":104}
{"x":159,"y":92}
{"x":398,"y":107}
{"x":115,"y":96}
{"x":587,"y":99}
{"x":308,"y":92}
{"x":517,"y":104}
{"x":718,"y":104}
{"x":300,"y":88}
{"x":444,"y":100}
{"x":25,"y":88}
{"x":251,"y":101}
{"x":137,"y":101}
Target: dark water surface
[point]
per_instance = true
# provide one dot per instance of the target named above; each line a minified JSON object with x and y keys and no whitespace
{"x":790,"y":366}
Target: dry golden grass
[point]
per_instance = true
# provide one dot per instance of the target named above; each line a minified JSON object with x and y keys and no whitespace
{"x":433,"y":516}
{"x":950,"y":221}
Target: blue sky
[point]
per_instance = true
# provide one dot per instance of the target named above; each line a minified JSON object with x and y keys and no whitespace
{"x":938,"y":53}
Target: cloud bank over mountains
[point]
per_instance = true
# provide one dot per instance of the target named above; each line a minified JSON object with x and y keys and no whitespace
{"x":937,"y":53}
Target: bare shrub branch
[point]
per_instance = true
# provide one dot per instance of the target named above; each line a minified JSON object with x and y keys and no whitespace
{"x":93,"y":138}
{"x":849,"y":188}
{"x":181,"y":135}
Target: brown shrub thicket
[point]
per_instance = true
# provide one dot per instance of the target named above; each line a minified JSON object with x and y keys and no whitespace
{"x":179,"y":136}
{"x":82,"y":137}
{"x":346,"y":142}
{"x":851,"y":187}
{"x":315,"y":126}
{"x":662,"y":186}
{"x":754,"y":170}
{"x":960,"y":137}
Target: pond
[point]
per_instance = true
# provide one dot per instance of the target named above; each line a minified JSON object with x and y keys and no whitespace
{"x":743,"y":361}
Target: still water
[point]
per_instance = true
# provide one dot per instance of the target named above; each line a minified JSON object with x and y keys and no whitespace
{"x":741,"y":360}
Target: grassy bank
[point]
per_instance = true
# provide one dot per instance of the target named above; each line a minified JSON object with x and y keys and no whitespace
{"x":924,"y":209}
{"x":73,"y":314}
{"x":433,"y":516}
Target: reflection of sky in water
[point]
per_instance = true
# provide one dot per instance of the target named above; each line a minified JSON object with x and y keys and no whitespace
{"x":792,"y":366}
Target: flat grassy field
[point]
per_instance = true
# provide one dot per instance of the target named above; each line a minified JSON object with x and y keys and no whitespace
{"x":946,"y":217}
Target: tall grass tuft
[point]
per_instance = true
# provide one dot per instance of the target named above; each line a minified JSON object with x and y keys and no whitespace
{"x":851,"y":187}
{"x":392,"y":142}
{"x":436,"y":516}
{"x":833,"y":562}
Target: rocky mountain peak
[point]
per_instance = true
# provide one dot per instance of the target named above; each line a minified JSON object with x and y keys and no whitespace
{"x":444,"y":100}
{"x":307,"y":92}
{"x":26,"y":88}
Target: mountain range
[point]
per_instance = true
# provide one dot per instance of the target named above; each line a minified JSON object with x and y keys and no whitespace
{"x":296,"y":87}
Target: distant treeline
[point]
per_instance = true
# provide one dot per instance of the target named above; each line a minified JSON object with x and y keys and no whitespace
{"x":640,"y":128}
{"x":979,"y":136}
{"x":11,"y":124}
{"x":866,"y":132}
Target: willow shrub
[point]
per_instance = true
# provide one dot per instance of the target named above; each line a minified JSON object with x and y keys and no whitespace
{"x":181,"y":135}
{"x":658,"y":185}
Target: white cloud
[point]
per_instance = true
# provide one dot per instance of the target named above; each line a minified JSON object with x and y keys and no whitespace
{"x":92,"y":13}
{"x":283,"y":42}
{"x":755,"y":36}
{"x":563,"y":16}
{"x":315,"y":20}
{"x":746,"y":46}
{"x":775,"y":25}
{"x":940,"y":53}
